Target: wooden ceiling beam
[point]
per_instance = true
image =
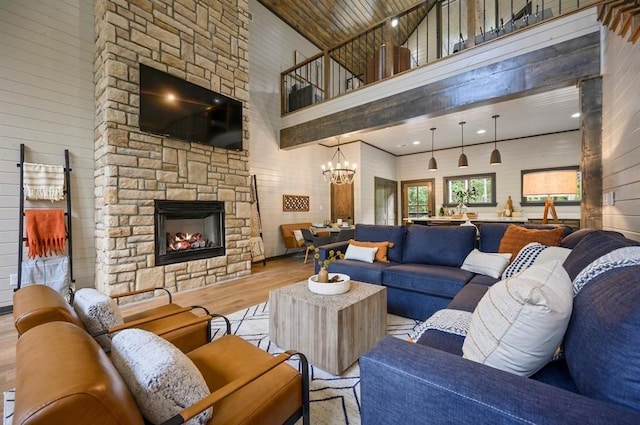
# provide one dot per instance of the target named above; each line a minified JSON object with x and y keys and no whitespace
{"x":545,"y":69}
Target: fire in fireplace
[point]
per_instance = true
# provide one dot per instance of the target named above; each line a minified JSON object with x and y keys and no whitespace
{"x":188,"y":230}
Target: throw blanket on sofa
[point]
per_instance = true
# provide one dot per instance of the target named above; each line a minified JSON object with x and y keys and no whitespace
{"x":446,"y":320}
{"x":621,"y":257}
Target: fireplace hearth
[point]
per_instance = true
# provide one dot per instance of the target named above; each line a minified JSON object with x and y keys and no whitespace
{"x":188,"y":230}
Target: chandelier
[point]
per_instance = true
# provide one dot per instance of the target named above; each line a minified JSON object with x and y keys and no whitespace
{"x":340,"y":173}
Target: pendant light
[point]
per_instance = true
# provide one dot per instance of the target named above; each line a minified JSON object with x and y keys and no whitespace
{"x":462,"y":160}
{"x":496,"y":159}
{"x":433,"y":165}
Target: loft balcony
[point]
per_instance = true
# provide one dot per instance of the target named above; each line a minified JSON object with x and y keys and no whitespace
{"x":424,"y":34}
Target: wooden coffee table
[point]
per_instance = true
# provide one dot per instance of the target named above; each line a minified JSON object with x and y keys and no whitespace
{"x":333,"y":331}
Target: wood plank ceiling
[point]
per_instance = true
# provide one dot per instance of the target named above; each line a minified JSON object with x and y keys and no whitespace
{"x":327,"y":23}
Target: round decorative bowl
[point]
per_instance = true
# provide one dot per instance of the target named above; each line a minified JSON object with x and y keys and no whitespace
{"x":330,"y":288}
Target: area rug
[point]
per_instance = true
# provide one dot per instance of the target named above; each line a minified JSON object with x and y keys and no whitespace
{"x":334,"y":399}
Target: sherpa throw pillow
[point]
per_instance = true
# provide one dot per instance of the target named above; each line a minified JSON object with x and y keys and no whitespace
{"x":98,"y":312}
{"x":519,"y":323}
{"x":162,"y":379}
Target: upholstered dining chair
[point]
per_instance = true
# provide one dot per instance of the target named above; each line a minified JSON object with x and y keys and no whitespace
{"x":345,"y":235}
{"x":311,"y":240}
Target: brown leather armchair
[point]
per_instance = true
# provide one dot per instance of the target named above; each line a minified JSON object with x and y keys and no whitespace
{"x":63,"y":377}
{"x":37,"y":304}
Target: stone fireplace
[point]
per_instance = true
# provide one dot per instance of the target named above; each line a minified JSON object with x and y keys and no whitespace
{"x":200,"y":41}
{"x":188,"y":230}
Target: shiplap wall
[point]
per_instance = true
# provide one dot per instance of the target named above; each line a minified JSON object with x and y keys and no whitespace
{"x":524,"y":154}
{"x":621,"y":134}
{"x":46,"y":102}
{"x":296,"y":172}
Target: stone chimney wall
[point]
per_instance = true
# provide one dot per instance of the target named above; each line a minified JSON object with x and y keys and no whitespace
{"x":201,"y":41}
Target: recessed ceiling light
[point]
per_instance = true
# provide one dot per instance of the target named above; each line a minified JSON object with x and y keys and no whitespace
{"x":576,"y":115}
{"x":416,"y":142}
{"x":394,"y":22}
{"x":481,"y":131}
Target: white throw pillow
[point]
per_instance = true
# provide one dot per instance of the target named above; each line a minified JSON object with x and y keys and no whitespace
{"x":361,"y":253}
{"x":535,"y":253}
{"x":98,"y":312}
{"x":520,"y":322}
{"x":297,"y":234}
{"x":162,"y":379}
{"x":486,"y":263}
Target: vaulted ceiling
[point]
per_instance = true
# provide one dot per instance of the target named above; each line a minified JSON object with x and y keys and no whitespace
{"x":327,"y":23}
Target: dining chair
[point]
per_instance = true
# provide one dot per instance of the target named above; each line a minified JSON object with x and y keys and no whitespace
{"x":344,"y":235}
{"x":311,"y":240}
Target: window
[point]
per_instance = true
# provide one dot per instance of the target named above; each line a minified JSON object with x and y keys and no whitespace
{"x":472,"y":190}
{"x":557,"y":199}
{"x":418,"y":199}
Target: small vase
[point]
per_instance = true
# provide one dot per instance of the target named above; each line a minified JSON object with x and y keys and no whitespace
{"x":323,"y":275}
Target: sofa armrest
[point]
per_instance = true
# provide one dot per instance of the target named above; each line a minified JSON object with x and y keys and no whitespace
{"x":323,"y":252}
{"x":405,"y":383}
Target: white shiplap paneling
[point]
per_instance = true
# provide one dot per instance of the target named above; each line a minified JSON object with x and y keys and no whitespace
{"x":46,"y":102}
{"x":525,"y":154}
{"x":621,"y":134}
{"x":271,"y":50}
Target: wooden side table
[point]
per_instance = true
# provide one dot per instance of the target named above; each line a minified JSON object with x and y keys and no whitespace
{"x":333,"y":331}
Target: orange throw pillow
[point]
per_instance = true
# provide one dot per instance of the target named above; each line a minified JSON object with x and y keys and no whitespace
{"x":381,"y":254}
{"x":516,"y":237}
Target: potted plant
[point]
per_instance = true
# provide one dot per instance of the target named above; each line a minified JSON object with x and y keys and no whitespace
{"x":323,"y":274}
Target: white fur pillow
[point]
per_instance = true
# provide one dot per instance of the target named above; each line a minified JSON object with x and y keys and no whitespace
{"x":486,"y":263}
{"x":162,"y":379}
{"x":520,"y":322}
{"x":360,"y":253}
{"x":98,"y":312}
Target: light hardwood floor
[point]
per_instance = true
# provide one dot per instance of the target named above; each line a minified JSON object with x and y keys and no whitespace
{"x":223,"y":298}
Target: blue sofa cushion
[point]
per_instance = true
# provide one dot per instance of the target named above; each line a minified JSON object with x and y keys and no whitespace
{"x":601,"y":343}
{"x":593,"y":246}
{"x":375,"y":233}
{"x":441,"y":281}
{"x":481,"y":279}
{"x":438,"y":245}
{"x":360,"y":271}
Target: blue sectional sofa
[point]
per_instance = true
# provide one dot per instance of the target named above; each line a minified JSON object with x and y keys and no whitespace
{"x":423,"y":273}
{"x":596,"y":382}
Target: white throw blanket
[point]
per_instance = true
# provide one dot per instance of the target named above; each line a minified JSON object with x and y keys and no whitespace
{"x":43,"y":181}
{"x":53,"y":272}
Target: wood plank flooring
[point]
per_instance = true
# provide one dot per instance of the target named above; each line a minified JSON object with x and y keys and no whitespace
{"x":223,"y":298}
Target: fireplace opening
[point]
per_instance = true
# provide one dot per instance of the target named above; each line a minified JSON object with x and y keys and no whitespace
{"x":188,"y":230}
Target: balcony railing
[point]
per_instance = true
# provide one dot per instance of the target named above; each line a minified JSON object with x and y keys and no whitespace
{"x":427,"y":32}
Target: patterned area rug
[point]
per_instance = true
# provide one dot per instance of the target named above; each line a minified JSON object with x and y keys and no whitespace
{"x":334,"y":399}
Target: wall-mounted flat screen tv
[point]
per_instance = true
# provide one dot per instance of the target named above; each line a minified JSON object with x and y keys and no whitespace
{"x":170,"y":106}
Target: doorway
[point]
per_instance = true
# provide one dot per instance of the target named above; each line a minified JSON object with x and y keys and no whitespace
{"x":342,"y":202}
{"x":386,"y":201}
{"x":418,"y":199}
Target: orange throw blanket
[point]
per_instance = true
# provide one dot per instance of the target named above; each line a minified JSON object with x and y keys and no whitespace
{"x":46,"y":232}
